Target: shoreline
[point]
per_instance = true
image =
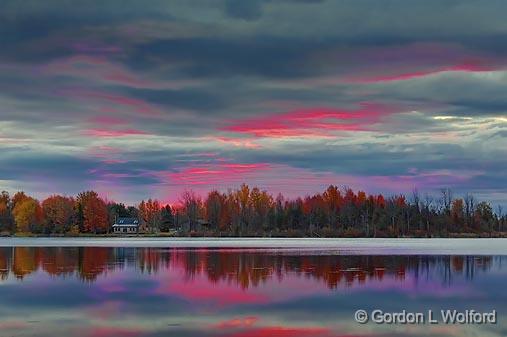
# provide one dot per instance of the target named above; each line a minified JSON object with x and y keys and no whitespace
{"x":482,"y":235}
{"x":345,"y":246}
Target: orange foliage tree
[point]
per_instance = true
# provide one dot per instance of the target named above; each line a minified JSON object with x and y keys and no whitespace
{"x":59,"y":213}
{"x":150,"y":213}
{"x":92,"y":212}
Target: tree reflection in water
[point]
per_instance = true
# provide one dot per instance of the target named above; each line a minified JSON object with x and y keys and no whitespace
{"x":244,"y":268}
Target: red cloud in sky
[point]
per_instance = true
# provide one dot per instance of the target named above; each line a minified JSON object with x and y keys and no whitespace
{"x":281,"y":331}
{"x":237,"y":323}
{"x":312,"y":122}
{"x":215,"y":173}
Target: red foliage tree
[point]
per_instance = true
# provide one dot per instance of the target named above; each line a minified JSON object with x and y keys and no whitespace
{"x":93,"y":212}
{"x":58,"y":213}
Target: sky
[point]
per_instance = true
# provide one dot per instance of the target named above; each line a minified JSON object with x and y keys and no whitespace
{"x":139,"y":99}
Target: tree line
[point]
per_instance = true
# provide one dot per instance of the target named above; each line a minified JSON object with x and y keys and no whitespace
{"x":253,"y":212}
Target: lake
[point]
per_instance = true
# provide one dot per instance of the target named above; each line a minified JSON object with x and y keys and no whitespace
{"x":63,"y":287}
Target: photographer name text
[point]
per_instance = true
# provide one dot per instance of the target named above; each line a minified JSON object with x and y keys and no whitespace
{"x":447,"y":316}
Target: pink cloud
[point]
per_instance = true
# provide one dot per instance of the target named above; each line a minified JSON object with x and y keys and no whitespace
{"x":122,"y":77}
{"x":107,"y":133}
{"x":282,"y":331}
{"x":107,"y":154}
{"x":313,"y":122}
{"x":114,"y":161}
{"x":296,"y":182}
{"x":237,"y":323}
{"x":13,"y":325}
{"x":107,"y":121}
{"x":406,"y":61}
{"x":214,"y":173}
{"x":465,"y":67}
{"x":137,"y":105}
{"x":221,"y":174}
{"x":237,"y":142}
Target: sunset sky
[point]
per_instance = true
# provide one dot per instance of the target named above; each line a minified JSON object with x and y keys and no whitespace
{"x":138,"y":99}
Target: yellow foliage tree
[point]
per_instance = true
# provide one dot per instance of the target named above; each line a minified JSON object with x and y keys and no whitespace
{"x":27,"y":214}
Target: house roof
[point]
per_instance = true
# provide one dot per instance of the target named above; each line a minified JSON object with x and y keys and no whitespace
{"x":126,"y":222}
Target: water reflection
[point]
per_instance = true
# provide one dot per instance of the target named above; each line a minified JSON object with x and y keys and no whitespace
{"x":244,"y":268}
{"x":104,"y":292}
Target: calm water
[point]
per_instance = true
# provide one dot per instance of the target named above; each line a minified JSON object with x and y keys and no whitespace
{"x":101,"y":292}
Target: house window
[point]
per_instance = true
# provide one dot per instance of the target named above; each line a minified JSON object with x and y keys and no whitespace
{"x":124,"y":230}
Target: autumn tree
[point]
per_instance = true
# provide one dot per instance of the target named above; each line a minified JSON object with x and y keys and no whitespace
{"x":117,"y":210}
{"x":500,"y":218}
{"x":295,"y":214}
{"x":18,"y":197}
{"x":215,"y":207}
{"x":242,"y":196}
{"x":280,"y":213}
{"x":349,"y":210}
{"x":484,"y":216}
{"x":92,"y":212}
{"x":192,"y":207}
{"x":470,"y":202}
{"x":427,"y":211}
{"x":6,"y":219}
{"x":458,"y":214}
{"x":59,"y":214}
{"x":261,"y":202}
{"x":166,"y":218}
{"x":232,"y":216}
{"x":27,"y":214}
{"x":333,"y":199}
{"x":252,"y":211}
{"x":149,"y":212}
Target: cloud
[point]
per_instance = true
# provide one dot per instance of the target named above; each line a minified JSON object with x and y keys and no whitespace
{"x":247,"y":10}
{"x":123,"y":98}
{"x":313,"y":122}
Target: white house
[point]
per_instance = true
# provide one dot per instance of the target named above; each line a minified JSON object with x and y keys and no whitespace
{"x":126,"y":226}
